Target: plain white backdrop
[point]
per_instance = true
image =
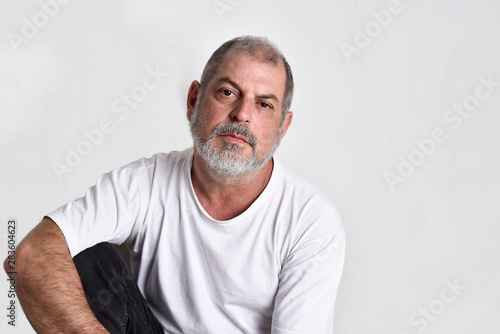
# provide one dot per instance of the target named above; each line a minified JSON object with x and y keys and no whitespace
{"x":396,"y":118}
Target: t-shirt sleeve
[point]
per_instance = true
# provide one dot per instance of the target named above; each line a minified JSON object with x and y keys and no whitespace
{"x":108,"y":212}
{"x":310,"y":275}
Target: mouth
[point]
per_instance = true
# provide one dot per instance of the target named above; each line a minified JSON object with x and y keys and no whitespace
{"x":234,"y":138}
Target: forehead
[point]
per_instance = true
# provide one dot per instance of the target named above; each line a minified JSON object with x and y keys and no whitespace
{"x":250,"y":72}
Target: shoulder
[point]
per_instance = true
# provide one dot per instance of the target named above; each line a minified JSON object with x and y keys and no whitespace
{"x":301,"y":190}
{"x":146,"y":171}
{"x":159,"y":159}
{"x":311,"y":206}
{"x":157,"y":163}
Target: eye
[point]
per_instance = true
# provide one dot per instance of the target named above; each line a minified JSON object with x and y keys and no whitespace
{"x":227,"y":92}
{"x":265,"y":105}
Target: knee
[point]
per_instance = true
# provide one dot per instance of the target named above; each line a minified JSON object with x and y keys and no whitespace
{"x":100,"y":255}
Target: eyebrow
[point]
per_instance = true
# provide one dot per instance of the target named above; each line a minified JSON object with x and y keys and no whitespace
{"x":235,"y":85}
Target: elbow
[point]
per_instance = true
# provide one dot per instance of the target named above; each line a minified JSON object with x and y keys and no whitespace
{"x":10,"y":262}
{"x":14,"y":263}
{"x":6,"y":265}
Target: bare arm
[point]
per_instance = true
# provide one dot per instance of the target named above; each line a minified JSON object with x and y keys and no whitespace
{"x":48,"y":285}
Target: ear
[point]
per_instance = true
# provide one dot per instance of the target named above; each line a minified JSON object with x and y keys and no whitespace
{"x":192,"y":97}
{"x":286,"y":124}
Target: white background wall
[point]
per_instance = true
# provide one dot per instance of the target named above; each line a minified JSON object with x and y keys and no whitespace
{"x":423,"y":227}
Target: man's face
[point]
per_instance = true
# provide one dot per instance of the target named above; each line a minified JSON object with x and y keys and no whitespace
{"x":236,"y":122}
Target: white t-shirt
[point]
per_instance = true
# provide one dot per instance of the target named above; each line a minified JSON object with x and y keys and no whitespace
{"x":273,"y":269}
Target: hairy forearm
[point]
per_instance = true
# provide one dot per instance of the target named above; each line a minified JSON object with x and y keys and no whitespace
{"x":48,"y":285}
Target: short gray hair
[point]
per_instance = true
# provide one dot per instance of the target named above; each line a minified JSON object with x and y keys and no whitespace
{"x":259,"y":48}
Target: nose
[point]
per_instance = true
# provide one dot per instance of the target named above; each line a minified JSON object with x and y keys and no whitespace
{"x":242,"y":111}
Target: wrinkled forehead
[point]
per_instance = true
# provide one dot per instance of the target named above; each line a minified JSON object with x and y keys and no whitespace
{"x":270,"y":68}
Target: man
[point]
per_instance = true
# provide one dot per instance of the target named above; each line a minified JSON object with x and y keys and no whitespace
{"x":223,"y":237}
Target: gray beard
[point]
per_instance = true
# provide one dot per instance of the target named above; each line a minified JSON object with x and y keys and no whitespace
{"x":228,"y":161}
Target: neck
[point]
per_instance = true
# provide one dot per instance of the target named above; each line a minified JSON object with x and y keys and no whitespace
{"x":226,"y":196}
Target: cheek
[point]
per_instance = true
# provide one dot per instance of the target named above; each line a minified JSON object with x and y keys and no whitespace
{"x":207,"y":118}
{"x":267,"y":134}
